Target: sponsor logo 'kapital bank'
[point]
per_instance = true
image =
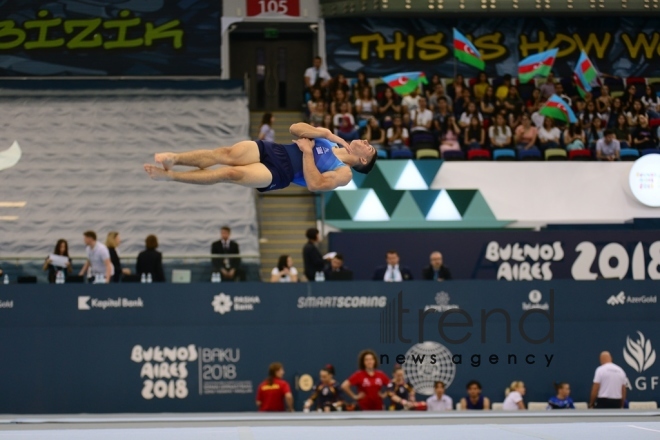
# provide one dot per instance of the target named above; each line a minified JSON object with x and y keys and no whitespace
{"x":88,"y":303}
{"x":640,"y":356}
{"x":621,"y":298}
{"x":223,"y":303}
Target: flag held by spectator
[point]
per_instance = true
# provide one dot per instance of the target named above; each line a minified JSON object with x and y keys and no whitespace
{"x":586,"y":70}
{"x":404,"y":83}
{"x":539,"y":64}
{"x":465,"y":51}
{"x":582,"y":88}
{"x":557,"y":108}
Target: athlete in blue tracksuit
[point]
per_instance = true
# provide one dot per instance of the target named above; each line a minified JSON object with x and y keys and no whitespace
{"x":313,"y":160}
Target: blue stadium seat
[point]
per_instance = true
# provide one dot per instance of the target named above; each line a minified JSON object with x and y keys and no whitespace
{"x":404,"y":153}
{"x":650,"y":151}
{"x":453,"y":155}
{"x":382,"y":154}
{"x":504,"y":154}
{"x":529,"y":154}
{"x":628,"y":154}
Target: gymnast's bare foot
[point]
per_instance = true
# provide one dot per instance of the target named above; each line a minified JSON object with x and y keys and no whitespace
{"x":167,"y":160}
{"x":157,"y":173}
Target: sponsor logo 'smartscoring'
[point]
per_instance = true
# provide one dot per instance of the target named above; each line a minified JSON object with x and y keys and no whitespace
{"x":535,"y":298}
{"x":88,"y":303}
{"x":639,"y":354}
{"x":341,"y":302}
{"x":427,"y":363}
{"x":441,"y":303}
{"x":224,"y":303}
{"x":621,"y":298}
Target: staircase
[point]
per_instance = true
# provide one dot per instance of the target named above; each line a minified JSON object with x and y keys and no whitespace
{"x":284,"y":215}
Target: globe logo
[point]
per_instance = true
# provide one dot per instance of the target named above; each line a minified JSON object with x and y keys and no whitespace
{"x":426,"y":363}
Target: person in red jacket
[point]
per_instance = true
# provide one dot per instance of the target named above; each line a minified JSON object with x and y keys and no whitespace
{"x":369,"y":382}
{"x":274,"y":391}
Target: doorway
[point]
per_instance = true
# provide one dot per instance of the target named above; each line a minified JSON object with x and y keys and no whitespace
{"x":275,"y":68}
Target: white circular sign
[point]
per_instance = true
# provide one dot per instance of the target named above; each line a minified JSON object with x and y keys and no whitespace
{"x":644,"y":180}
{"x":427,"y":362}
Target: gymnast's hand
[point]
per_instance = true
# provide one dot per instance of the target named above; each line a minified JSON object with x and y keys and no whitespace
{"x":305,"y":145}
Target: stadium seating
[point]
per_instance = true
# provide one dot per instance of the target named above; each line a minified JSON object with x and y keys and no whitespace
{"x":497,"y":406}
{"x":401,"y":154}
{"x":382,"y":154}
{"x":628,"y":154}
{"x":555,"y":154}
{"x":529,"y":155}
{"x":650,"y":151}
{"x":537,"y":406}
{"x":453,"y":155}
{"x":427,"y":153}
{"x":504,"y":154}
{"x":579,"y":155}
{"x":581,"y":405}
{"x":478,"y":154}
{"x":642,"y":405}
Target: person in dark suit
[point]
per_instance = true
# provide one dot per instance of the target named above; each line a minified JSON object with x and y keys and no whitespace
{"x":436,"y":270}
{"x":392,"y":272}
{"x":151,"y":261}
{"x":312,"y":258}
{"x":229,"y":268}
{"x":112,"y":242}
{"x":337,"y":271}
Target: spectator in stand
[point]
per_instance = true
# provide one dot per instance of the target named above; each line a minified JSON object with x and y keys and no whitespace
{"x":503,"y":89}
{"x":400,"y":391}
{"x":112,"y":242}
{"x":562,"y":399}
{"x":436,"y":271}
{"x":547,"y":89}
{"x":526,"y":134}
{"x":344,"y":124}
{"x":422,"y":118}
{"x":559,"y":91}
{"x":580,"y":106}
{"x":622,"y":132}
{"x":327,"y":123}
{"x":441,"y":114}
{"x":469,"y":113}
{"x":479,"y":89}
{"x":644,"y":137}
{"x":475,"y":135}
{"x":327,"y":394}
{"x":449,"y":136}
{"x":316,"y":107}
{"x":392,"y":272}
{"x":61,"y":249}
{"x":98,"y":259}
{"x":316,"y":76}
{"x":312,"y":258}
{"x":361,"y":83}
{"x":338,"y":83}
{"x":437,"y":96}
{"x":337,"y":271}
{"x":266,"y":131}
{"x":455,"y":89}
{"x":604,"y":102}
{"x":374,"y":134}
{"x":596,"y":133}
{"x":615,"y":111}
{"x":461,"y":103}
{"x":651,"y":102}
{"x":430,"y":88}
{"x":499,"y":133}
{"x":274,"y":392}
{"x":548,"y":134}
{"x":514,"y":106}
{"x":229,"y":268}
{"x":635,"y":112}
{"x":488,"y":103}
{"x":589,"y":115}
{"x":410,"y":102}
{"x":369,"y":381}
{"x":535,"y":102}
{"x":608,"y":148}
{"x":574,"y":137}
{"x":150,"y":261}
{"x":609,"y":385}
{"x":514,"y":397}
{"x":629,"y":97}
{"x":284,"y":272}
{"x":366,"y":106}
{"x":439,"y":401}
{"x":474,"y":400}
{"x":397,"y":135}
{"x":389,"y":106}
{"x":340,"y":97}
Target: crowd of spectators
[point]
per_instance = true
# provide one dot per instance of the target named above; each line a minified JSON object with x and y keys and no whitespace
{"x":473,"y":118}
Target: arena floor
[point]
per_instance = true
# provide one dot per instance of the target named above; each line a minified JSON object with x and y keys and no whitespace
{"x":345,"y":426}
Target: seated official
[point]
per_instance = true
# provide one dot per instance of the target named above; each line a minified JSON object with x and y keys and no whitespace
{"x":439,"y":401}
{"x":229,"y":268}
{"x":474,"y":400}
{"x":392,"y":272}
{"x":563,"y":398}
{"x":436,"y":270}
{"x":337,"y":271}
{"x":150,"y":261}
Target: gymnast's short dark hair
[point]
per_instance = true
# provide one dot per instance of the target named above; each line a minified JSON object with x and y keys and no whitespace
{"x":366,"y":168}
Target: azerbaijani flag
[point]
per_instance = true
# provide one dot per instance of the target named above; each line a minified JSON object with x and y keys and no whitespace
{"x":465,"y":51}
{"x":539,"y":64}
{"x":586,"y":70}
{"x":582,"y":88}
{"x":557,"y":108}
{"x":404,"y":83}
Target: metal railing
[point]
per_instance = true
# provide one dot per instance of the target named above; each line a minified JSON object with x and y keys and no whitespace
{"x":183,"y":257}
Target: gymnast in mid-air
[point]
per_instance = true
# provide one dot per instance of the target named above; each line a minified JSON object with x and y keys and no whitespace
{"x":315,"y":160}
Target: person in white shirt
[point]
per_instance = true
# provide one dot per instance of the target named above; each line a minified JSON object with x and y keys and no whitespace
{"x":397,"y":134}
{"x":98,"y":258}
{"x":266,"y":132}
{"x":316,"y":76}
{"x":609,"y":386}
{"x":549,"y":134}
{"x":410,"y":102}
{"x":514,"y":397}
{"x":499,"y":133}
{"x":284,"y":272}
{"x":439,"y":401}
{"x":422,"y":118}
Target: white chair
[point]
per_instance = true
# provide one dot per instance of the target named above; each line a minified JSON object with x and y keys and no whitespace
{"x":537,"y":406}
{"x":643,"y":405}
{"x":581,"y":405}
{"x":497,"y":406}
{"x":458,"y":406}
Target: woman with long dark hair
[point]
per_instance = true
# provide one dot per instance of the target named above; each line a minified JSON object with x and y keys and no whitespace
{"x":622,"y":132}
{"x":475,"y":135}
{"x":112,"y":242}
{"x":369,"y":381}
{"x":284,"y":272}
{"x":274,"y":392}
{"x":327,"y":395}
{"x":651,"y":101}
{"x":615,"y":111}
{"x":150,"y":261}
{"x":574,"y":137}
{"x":266,"y":131}
{"x":61,"y":249}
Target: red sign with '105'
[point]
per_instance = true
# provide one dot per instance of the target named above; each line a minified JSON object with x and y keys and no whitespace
{"x":273,"y":7}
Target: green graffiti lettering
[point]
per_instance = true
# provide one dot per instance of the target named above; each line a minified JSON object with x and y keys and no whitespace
{"x":164,"y":31}
{"x":642,"y":40}
{"x":122,"y":26}
{"x":86,"y":28}
{"x":8,"y":29}
{"x":43,"y":25}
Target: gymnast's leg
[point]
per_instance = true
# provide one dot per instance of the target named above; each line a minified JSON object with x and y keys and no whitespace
{"x":241,"y":153}
{"x":255,"y":175}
